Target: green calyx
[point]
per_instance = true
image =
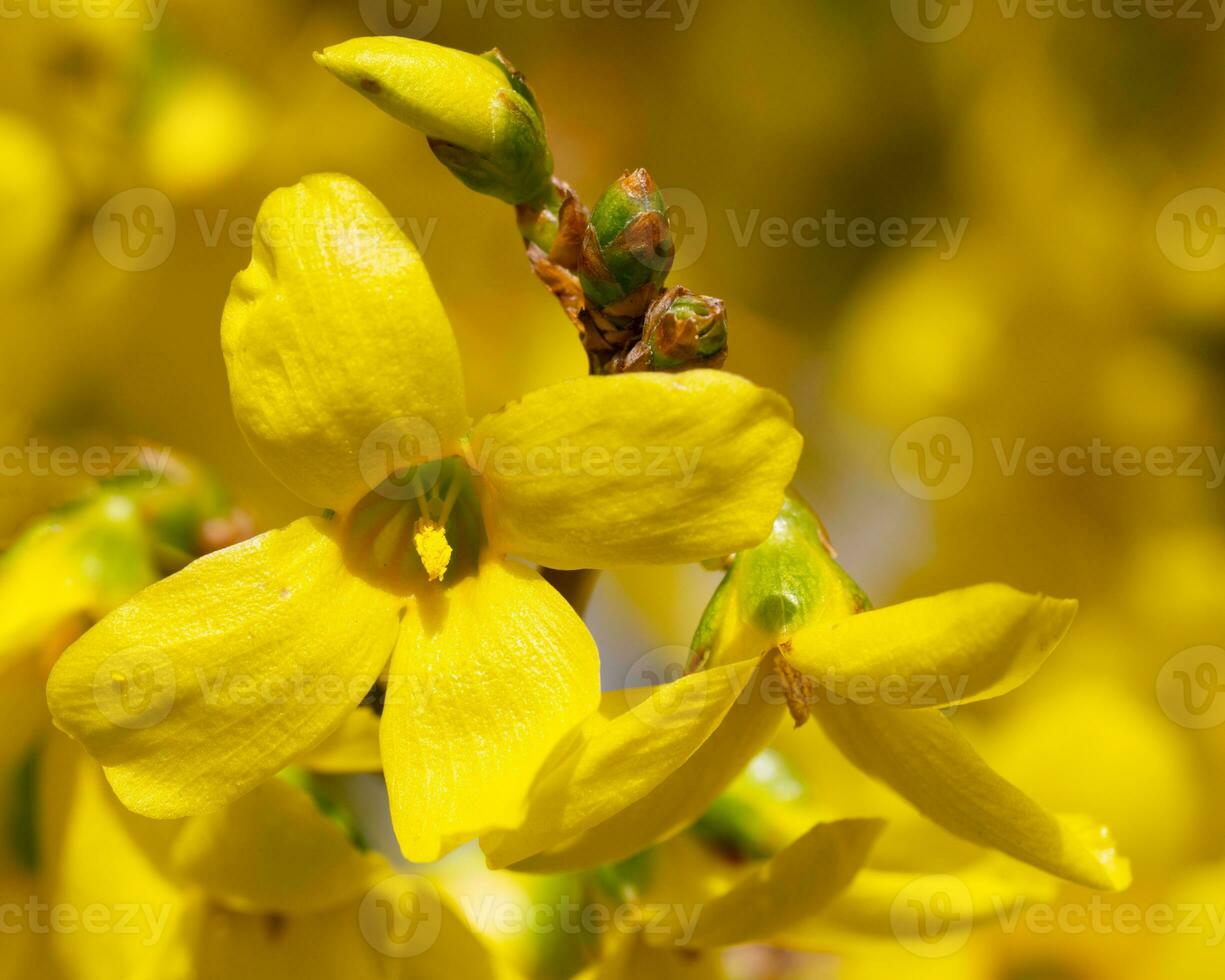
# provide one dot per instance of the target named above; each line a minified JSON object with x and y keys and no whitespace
{"x":789,"y":581}
{"x":628,"y":249}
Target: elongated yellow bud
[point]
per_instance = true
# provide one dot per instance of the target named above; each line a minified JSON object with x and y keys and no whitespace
{"x":477,"y":111}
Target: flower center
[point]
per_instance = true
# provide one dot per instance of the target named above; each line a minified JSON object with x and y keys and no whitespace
{"x":424,"y":523}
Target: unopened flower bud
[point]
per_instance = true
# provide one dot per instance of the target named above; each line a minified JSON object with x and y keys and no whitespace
{"x":479,"y":114}
{"x":683,"y":330}
{"x":628,"y":249}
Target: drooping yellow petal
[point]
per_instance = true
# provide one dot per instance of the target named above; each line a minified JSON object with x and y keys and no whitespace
{"x":976,"y":892}
{"x":641,"y":769}
{"x":952,"y":648}
{"x":90,"y":861}
{"x":342,"y":364}
{"x":921,"y":755}
{"x":635,"y":469}
{"x":796,"y":883}
{"x":489,"y":674}
{"x":212,"y":680}
{"x":273,"y":851}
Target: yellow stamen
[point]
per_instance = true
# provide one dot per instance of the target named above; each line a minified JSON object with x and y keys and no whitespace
{"x":430,"y":540}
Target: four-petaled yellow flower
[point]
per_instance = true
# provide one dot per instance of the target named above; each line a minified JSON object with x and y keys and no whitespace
{"x":345,"y":379}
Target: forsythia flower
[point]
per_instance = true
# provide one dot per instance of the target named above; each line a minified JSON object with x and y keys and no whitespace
{"x":788,"y":629}
{"x":345,"y":378}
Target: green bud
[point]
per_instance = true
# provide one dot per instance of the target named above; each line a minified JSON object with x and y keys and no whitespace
{"x":480,"y":116}
{"x":788,"y":581}
{"x":682,"y":330}
{"x":628,"y":249}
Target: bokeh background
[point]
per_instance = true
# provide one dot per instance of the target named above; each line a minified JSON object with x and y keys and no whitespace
{"x":1039,"y":267}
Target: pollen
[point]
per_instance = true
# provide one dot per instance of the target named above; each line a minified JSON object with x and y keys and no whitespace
{"x":430,"y":540}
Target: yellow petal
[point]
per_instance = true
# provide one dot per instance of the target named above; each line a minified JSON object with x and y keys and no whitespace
{"x":953,"y":648}
{"x":488,"y":675}
{"x":641,"y":769}
{"x":90,"y":861}
{"x":796,"y":883}
{"x":447,"y":94}
{"x":341,"y":361}
{"x":921,"y":755}
{"x":402,"y":928}
{"x":272,"y":851}
{"x":970,"y":893}
{"x":212,"y":680}
{"x":635,"y":469}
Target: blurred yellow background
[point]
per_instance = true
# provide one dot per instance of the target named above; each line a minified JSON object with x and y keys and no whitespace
{"x":983,"y":254}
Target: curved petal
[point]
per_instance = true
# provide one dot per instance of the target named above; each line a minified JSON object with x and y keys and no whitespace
{"x":953,"y":648}
{"x":210,"y":681}
{"x":273,"y":851}
{"x":795,"y":884}
{"x":923,"y":757}
{"x":489,"y":674}
{"x":342,"y":364}
{"x":635,"y":469}
{"x":638,"y":770}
